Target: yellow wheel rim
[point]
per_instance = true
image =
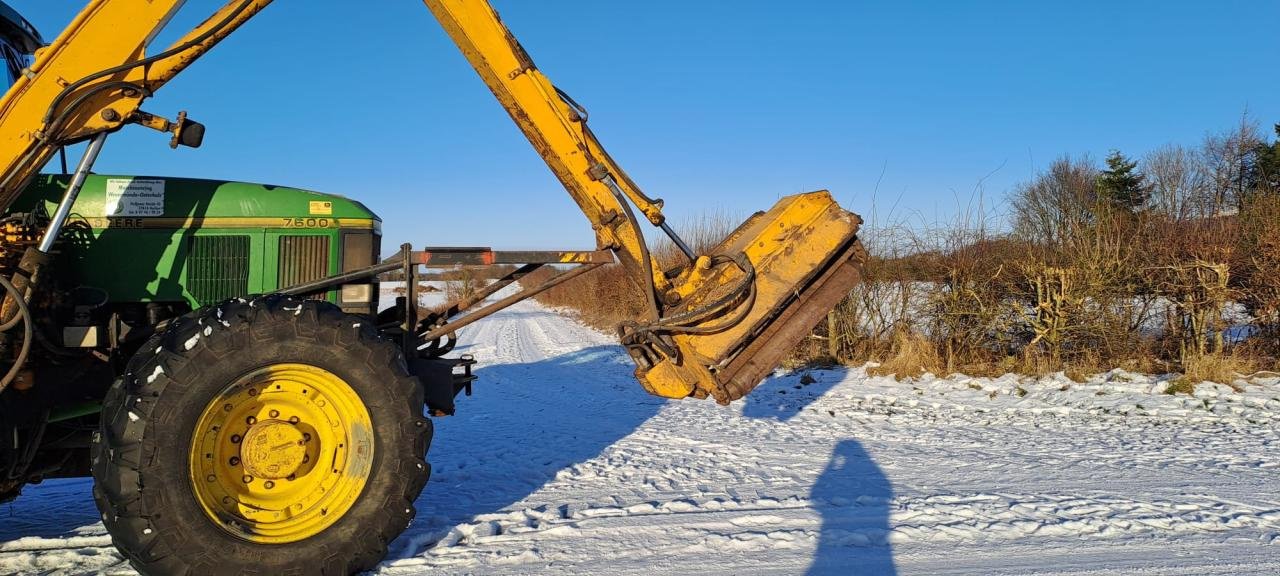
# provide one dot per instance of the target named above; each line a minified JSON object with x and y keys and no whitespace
{"x":281,"y":454}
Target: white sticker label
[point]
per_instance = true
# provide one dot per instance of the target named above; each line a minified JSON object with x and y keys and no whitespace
{"x":134,"y":197}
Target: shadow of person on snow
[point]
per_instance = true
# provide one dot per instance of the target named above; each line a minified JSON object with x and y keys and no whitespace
{"x":525,"y":425}
{"x":853,"y":497}
{"x":852,"y":494}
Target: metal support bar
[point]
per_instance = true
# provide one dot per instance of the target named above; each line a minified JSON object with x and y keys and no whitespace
{"x":505,"y":302}
{"x":73,"y":190}
{"x":410,"y":297}
{"x":344,"y":278}
{"x":447,"y":257}
{"x":679,"y":242}
{"x":457,"y":307}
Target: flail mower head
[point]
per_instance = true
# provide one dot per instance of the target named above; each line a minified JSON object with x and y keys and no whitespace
{"x":741,"y":309}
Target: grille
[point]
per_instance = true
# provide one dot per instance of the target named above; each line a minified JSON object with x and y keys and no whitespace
{"x":303,"y":259}
{"x":218,"y":268}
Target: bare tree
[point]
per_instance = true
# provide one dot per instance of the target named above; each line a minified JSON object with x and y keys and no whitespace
{"x":1057,"y":202}
{"x":1179,"y":183}
{"x":1229,"y":158}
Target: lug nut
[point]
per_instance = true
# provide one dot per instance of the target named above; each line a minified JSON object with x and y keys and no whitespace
{"x":293,"y":420}
{"x":247,"y":479}
{"x":306,"y":436}
{"x":251,"y":420}
{"x":211,"y":478}
{"x":253,"y":391}
{"x":235,"y":460}
{"x":275,"y":413}
{"x":269,"y":485}
{"x":226,"y":407}
{"x":235,"y":438}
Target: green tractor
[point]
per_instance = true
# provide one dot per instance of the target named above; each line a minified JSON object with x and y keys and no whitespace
{"x":298,"y":400}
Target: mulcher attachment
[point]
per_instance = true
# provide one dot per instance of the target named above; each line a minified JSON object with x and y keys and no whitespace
{"x":737,"y":312}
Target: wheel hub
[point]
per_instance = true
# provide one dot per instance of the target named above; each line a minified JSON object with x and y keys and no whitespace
{"x":282,"y":453}
{"x":272,"y":450}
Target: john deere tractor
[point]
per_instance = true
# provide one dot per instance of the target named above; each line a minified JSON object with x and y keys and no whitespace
{"x":213,"y":353}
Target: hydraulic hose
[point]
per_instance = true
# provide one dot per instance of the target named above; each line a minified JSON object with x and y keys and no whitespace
{"x":24,"y":312}
{"x":53,"y":107}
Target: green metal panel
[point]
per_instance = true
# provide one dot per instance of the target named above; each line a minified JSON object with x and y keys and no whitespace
{"x":133,"y":236}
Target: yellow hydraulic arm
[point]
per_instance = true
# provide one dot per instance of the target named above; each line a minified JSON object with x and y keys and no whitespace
{"x":714,"y":327}
{"x":94,"y":76}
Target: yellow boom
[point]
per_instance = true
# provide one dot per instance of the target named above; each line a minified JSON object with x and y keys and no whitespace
{"x":713,"y":328}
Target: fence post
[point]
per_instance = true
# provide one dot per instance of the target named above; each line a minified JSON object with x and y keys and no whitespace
{"x":833,"y":348}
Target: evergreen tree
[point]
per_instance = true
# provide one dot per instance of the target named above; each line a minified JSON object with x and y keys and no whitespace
{"x":1266,"y":166}
{"x":1121,"y":185}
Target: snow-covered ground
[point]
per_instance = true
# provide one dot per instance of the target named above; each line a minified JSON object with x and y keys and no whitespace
{"x":561,"y":464}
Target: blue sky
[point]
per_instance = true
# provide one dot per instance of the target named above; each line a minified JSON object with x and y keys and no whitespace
{"x":716,"y":106}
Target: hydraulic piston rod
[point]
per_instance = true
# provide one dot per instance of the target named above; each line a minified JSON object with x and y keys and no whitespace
{"x":73,"y":191}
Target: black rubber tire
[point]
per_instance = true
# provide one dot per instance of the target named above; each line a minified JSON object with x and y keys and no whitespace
{"x":140,"y":466}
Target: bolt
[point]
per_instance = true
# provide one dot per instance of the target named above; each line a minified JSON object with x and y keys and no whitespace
{"x":292,"y":477}
{"x":251,"y":420}
{"x":226,"y":407}
{"x":269,"y":485}
{"x":211,"y":478}
{"x":226,"y":500}
{"x":275,"y":413}
{"x":235,"y":460}
{"x":306,"y":458}
{"x":306,"y":436}
{"x":110,"y":115}
{"x":235,"y":438}
{"x":294,"y":420}
{"x":253,"y":391}
{"x":247,"y":479}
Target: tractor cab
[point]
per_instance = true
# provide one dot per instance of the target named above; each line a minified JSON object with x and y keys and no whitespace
{"x":19,"y":41}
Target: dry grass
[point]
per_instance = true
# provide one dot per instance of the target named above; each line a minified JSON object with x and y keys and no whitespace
{"x":912,"y":355}
{"x":465,"y":283}
{"x":1181,"y":385}
{"x":1220,"y":368}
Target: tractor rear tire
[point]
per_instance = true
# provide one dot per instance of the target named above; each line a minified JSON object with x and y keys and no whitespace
{"x":273,"y":436}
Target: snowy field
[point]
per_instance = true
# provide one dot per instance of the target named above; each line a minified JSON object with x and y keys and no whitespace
{"x":561,"y":464}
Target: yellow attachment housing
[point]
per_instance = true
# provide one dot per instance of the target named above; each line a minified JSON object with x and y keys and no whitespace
{"x":805,"y":257}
